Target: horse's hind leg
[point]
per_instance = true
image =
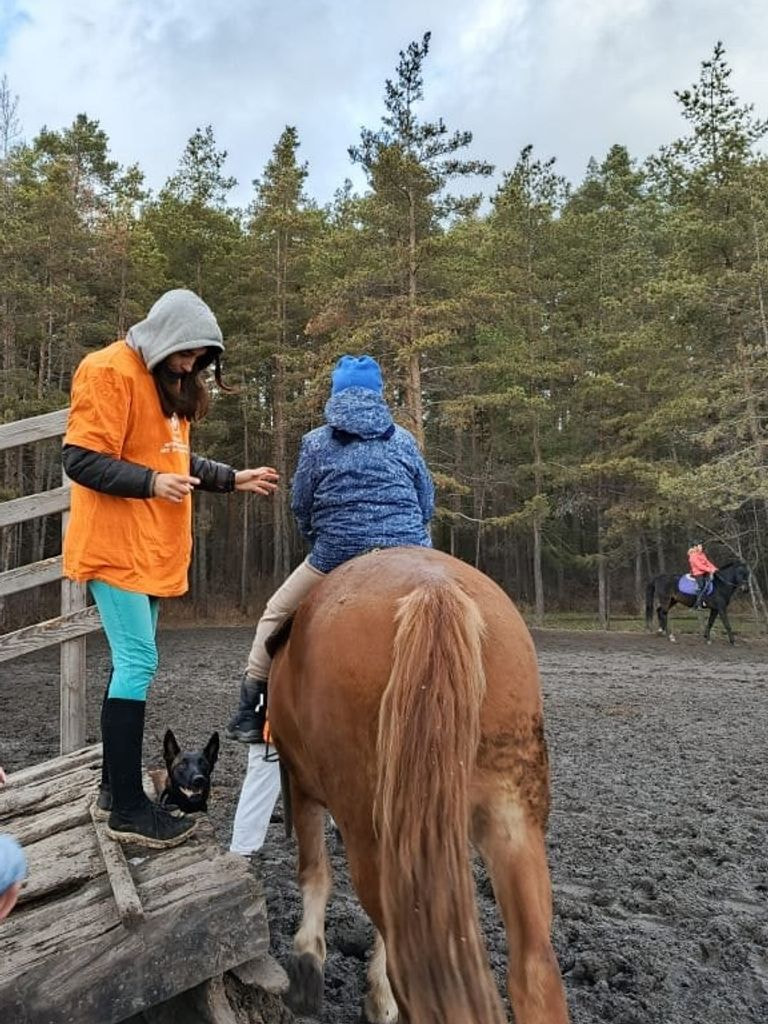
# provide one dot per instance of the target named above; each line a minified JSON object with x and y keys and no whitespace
{"x":380,"y":1006}
{"x":725,"y":621}
{"x":710,"y":624}
{"x":305,"y":968}
{"x":512,"y":846}
{"x":665,"y":624}
{"x":661,"y":615}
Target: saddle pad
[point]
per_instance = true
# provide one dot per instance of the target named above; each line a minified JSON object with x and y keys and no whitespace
{"x":687,"y":585}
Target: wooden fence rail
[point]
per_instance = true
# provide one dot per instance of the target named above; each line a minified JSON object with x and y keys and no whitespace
{"x":76,"y":620}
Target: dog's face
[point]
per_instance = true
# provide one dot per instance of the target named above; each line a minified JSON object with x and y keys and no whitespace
{"x":189,"y":774}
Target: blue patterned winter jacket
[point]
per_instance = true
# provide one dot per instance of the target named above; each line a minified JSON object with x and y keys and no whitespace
{"x":361,"y":482}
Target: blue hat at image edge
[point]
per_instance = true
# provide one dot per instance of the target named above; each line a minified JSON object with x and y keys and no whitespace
{"x":356,"y":372}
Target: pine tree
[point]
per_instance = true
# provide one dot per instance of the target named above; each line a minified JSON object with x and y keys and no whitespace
{"x":408,"y":164}
{"x":281,"y":226}
{"x":190,"y":221}
{"x":525,"y":352}
{"x":714,"y":302}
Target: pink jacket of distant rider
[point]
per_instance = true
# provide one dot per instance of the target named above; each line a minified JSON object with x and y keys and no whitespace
{"x":700,"y":564}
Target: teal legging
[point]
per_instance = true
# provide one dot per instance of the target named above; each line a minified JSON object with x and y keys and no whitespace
{"x":130,"y":622}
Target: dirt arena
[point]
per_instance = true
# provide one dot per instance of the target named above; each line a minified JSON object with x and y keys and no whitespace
{"x":658,"y":830}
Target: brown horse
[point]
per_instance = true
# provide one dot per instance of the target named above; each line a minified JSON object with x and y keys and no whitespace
{"x":407,"y":702}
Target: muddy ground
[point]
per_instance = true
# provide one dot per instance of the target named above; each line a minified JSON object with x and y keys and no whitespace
{"x":659,"y":827}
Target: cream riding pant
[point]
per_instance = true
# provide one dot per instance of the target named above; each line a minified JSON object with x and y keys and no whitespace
{"x":283,"y":603}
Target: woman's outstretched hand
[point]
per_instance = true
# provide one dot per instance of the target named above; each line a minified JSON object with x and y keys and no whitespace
{"x":173,"y":486}
{"x":259,"y":481}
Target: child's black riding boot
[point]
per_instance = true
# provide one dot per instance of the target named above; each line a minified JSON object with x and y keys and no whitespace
{"x":134,"y":817}
{"x":247,"y":724}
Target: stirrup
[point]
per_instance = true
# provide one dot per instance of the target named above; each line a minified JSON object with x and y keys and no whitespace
{"x":270,"y":754}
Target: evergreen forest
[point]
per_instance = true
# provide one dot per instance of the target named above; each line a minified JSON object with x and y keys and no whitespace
{"x":585,"y":363}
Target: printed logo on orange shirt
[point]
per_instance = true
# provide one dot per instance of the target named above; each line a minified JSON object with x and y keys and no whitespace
{"x":174,"y":446}
{"x":177,"y":444}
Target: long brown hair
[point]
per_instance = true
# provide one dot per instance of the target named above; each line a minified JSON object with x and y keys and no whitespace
{"x":187,"y":394}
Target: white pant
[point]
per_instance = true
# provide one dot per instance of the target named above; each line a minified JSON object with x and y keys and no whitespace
{"x":262,"y":778}
{"x":261,"y":787}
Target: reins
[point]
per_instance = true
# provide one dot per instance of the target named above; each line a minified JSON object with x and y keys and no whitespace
{"x":728,"y":582}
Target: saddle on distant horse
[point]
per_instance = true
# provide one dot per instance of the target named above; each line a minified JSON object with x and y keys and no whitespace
{"x":687,"y":585}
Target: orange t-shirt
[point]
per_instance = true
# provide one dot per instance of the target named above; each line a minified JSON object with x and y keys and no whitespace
{"x":137,"y":544}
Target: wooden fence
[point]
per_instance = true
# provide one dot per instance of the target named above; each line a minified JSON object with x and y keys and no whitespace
{"x":76,"y":620}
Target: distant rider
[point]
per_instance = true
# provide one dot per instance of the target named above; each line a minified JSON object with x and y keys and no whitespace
{"x":702,"y":570}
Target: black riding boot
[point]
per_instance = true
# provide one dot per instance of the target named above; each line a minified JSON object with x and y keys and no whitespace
{"x":247,"y":724}
{"x":134,"y":818}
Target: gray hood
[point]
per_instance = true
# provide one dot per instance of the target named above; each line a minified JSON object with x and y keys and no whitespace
{"x":178,"y":321}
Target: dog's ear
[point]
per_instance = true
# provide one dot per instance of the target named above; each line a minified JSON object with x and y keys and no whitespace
{"x":170,"y":746}
{"x":211,"y":750}
{"x":159,"y":777}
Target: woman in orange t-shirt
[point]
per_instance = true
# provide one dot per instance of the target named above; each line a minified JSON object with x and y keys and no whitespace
{"x":129,"y":536}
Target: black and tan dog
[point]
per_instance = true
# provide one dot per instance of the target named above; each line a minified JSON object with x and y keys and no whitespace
{"x":187,"y":776}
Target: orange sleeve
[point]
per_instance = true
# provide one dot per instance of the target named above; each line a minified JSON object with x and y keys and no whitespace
{"x":98,"y":414}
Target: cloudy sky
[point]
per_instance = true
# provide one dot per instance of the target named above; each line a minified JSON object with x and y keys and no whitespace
{"x":570,"y":76}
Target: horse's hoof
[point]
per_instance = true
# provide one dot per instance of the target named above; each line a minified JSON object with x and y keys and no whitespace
{"x":672,"y":639}
{"x":305,"y":993}
{"x":660,"y":631}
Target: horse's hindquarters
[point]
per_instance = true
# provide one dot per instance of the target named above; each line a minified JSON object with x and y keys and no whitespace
{"x":403,"y":669}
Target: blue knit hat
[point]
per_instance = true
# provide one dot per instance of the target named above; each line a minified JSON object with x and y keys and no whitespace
{"x":356,"y":372}
{"x":13,"y":864}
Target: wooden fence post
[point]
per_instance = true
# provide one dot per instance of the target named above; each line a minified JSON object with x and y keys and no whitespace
{"x":76,"y":620}
{"x":72,"y":710}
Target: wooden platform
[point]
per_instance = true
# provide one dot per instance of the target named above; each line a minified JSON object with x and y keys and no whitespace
{"x":104,"y":932}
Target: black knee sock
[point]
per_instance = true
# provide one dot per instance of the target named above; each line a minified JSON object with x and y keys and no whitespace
{"x":123,"y":733}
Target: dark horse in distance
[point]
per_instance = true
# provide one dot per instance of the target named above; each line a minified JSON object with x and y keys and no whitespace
{"x":664,"y":591}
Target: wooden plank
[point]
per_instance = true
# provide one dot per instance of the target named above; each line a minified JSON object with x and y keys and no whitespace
{"x":46,"y":794}
{"x":72,"y":705}
{"x":211,"y":1004}
{"x":84,"y":966}
{"x":33,"y":506}
{"x":129,"y":908}
{"x":33,"y":575}
{"x":67,"y":954}
{"x":57,"y":766}
{"x":263,"y":972}
{"x":177,"y":860}
{"x":34,"y":428}
{"x":60,"y":863}
{"x":74,"y":812}
{"x":44,"y":634}
{"x":185,"y":1007}
{"x":40,"y":931}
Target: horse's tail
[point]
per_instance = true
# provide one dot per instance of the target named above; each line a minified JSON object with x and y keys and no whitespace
{"x":650,"y":593}
{"x":429,"y":730}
